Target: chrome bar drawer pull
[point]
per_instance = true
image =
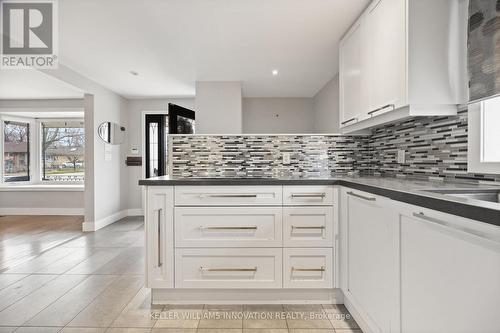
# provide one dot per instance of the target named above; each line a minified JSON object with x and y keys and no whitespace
{"x":159,"y":238}
{"x":228,"y":195}
{"x":308,"y":195}
{"x":480,"y":234}
{"x":382,"y":108}
{"x":348,"y":121}
{"x":311,"y":227}
{"x":321,"y":269}
{"x":228,"y":228}
{"x":207,"y":269}
{"x":361,"y":196}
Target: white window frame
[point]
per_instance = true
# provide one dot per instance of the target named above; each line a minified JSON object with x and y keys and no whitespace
{"x":475,"y":162}
{"x":35,"y":140}
{"x":32,"y":148}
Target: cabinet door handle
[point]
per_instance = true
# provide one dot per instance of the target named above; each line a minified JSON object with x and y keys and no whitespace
{"x":159,"y":238}
{"x":348,"y":121}
{"x":321,"y":269}
{"x":424,"y":217}
{"x":361,"y":196}
{"x":207,"y":269}
{"x":306,"y":227}
{"x":382,"y":108}
{"x":228,"y":195}
{"x":308,"y":195}
{"x":228,"y":228}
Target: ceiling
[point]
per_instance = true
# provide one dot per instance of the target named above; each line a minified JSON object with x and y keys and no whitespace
{"x":173,"y":43}
{"x":32,"y":84}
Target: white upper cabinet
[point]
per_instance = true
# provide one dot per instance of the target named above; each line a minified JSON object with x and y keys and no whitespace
{"x":386,"y":25}
{"x":352,"y":76}
{"x":403,"y":58}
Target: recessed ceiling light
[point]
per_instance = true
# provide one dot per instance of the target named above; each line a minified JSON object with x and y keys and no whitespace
{"x":134,"y":73}
{"x":275,"y":72}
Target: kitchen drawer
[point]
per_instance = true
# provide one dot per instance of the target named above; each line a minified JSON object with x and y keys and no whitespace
{"x":308,"y":195}
{"x":308,"y":226}
{"x":228,"y":226}
{"x":228,"y":268}
{"x":307,"y":268}
{"x":228,"y":195}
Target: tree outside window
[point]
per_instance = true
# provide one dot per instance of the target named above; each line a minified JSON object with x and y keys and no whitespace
{"x":63,"y":151}
{"x":16,"y":151}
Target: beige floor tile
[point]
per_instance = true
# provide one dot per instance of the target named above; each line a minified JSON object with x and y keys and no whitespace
{"x":8,"y":279}
{"x":38,"y":329}
{"x":138,"y":311}
{"x":266,"y":330}
{"x":309,"y":324}
{"x":309,"y":330}
{"x":173,"y":330}
{"x":264,"y":323}
{"x":109,"y":304}
{"x":127,"y":262}
{"x":83,"y":330}
{"x":7,"y":329}
{"x":180,"y":316}
{"x":303,"y":307}
{"x":219,"y":330}
{"x":18,"y":290}
{"x":62,"y":311}
{"x":128,"y":330}
{"x":26,"y":308}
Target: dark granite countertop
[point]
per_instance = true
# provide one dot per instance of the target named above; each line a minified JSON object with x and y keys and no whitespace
{"x":413,"y":191}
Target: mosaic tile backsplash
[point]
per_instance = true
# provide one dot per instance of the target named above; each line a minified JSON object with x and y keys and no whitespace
{"x":435,"y":147}
{"x":261,"y":156}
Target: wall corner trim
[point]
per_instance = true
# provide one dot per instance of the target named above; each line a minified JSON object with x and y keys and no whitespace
{"x":101,"y":223}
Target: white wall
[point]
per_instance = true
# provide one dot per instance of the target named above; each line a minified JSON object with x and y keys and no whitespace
{"x":278,"y":115}
{"x":135,"y":108}
{"x":106,"y":193}
{"x":326,"y":108}
{"x":41,"y":202}
{"x":218,"y":107}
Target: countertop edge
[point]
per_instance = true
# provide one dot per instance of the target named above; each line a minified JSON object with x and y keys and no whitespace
{"x":473,"y":212}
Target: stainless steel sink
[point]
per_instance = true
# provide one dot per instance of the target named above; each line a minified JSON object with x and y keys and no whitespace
{"x":484,"y":195}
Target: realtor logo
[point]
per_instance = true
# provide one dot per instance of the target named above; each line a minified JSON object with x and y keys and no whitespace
{"x":29,"y":36}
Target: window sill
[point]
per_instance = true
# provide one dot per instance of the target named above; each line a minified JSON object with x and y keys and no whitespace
{"x":42,"y":188}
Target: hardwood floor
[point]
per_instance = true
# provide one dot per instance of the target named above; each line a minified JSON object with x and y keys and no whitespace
{"x":54,"y":278}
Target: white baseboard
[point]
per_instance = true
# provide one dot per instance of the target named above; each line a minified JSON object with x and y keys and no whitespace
{"x":101,"y":223}
{"x":42,"y":211}
{"x":361,"y":318}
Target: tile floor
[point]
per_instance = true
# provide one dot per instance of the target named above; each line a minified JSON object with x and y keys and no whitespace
{"x":54,"y":278}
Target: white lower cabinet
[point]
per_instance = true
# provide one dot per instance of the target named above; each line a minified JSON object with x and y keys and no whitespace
{"x":450,"y":278}
{"x":159,"y":231}
{"x":228,"y":268}
{"x":308,"y":268}
{"x":370,"y":237}
{"x":308,"y":226}
{"x":228,"y":226}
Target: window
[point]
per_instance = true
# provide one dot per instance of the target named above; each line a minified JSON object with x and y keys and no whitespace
{"x":62,"y":151}
{"x":16,"y":151}
{"x":484,"y":137}
{"x":490,"y":140}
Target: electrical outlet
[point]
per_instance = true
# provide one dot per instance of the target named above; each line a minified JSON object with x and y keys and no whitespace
{"x":401,"y":156}
{"x":286,"y":158}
